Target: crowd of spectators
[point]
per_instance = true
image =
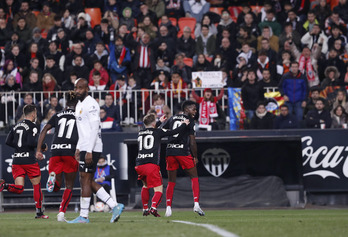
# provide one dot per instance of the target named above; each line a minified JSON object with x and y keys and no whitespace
{"x":298,"y":47}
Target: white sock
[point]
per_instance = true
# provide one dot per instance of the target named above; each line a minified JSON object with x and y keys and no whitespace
{"x":84,"y":205}
{"x":197,"y":204}
{"x":105,"y":197}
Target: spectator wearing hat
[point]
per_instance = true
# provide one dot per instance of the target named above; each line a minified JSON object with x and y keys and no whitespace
{"x":24,"y":12}
{"x":262,"y":119}
{"x":45,"y":19}
{"x":134,"y":5}
{"x":37,"y":38}
{"x":120,"y":59}
{"x":318,"y":117}
{"x":208,"y":108}
{"x":128,"y":19}
{"x":78,"y":32}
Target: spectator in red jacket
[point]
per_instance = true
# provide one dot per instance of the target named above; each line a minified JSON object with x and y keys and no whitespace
{"x":98,"y":67}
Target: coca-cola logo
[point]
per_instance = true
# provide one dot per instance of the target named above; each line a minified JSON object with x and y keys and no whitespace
{"x":323,"y":160}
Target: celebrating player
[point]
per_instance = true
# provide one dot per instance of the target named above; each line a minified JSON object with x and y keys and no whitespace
{"x":88,"y":150}
{"x":63,"y":151}
{"x":180,"y":149}
{"x":147,"y":162}
{"x":23,"y":138}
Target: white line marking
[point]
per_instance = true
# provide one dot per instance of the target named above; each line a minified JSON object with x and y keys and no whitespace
{"x":214,"y":228}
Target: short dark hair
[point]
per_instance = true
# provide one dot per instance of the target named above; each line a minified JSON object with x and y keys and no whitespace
{"x":186,"y":104}
{"x":149,"y":119}
{"x":71,"y":99}
{"x":28,"y":109}
{"x":96,"y":73}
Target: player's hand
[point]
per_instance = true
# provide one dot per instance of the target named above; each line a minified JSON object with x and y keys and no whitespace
{"x":88,"y":159}
{"x":196,"y":160}
{"x":163,"y":118}
{"x":99,"y":180}
{"x":186,"y":121}
{"x":39,"y":155}
{"x":77,"y":155}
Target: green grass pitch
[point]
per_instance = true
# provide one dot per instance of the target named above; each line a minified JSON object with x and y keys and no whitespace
{"x":244,"y":223}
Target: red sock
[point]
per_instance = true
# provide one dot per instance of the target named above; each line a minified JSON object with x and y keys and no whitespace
{"x":195,"y":189}
{"x":37,"y":195}
{"x":170,"y":193}
{"x":56,"y":187}
{"x":65,"y":200}
{"x":156,"y":199}
{"x":15,"y":188}
{"x":145,"y":196}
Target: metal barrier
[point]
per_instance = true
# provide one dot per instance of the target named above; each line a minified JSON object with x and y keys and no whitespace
{"x":139,"y":100}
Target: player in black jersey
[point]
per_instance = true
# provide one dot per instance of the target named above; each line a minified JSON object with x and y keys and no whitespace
{"x":23,"y":138}
{"x":147,"y":162}
{"x":182,"y":151}
{"x":62,"y":152}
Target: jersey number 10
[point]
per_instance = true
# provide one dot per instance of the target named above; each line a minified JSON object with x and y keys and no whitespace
{"x":146,"y":142}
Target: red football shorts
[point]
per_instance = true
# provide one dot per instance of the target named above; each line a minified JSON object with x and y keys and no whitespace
{"x":66,"y":164}
{"x":32,"y":170}
{"x":186,"y":162}
{"x":150,"y":173}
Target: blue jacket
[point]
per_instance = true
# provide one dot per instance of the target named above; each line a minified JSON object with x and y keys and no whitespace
{"x":113,"y":61}
{"x":294,"y":87}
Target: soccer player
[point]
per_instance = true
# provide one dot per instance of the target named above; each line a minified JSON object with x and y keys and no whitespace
{"x":88,"y":150}
{"x":23,"y":138}
{"x":62,"y":152}
{"x":147,"y":162}
{"x":182,"y":151}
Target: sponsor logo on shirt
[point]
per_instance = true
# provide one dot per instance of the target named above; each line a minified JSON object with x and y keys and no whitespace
{"x":175,"y":146}
{"x":60,"y":146}
{"x":22,"y":154}
{"x":143,"y":156}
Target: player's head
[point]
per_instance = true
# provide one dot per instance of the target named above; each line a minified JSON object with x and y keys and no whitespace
{"x":71,"y":99}
{"x":30,"y":112}
{"x":150,"y":120}
{"x":189,"y":108}
{"x":81,"y":88}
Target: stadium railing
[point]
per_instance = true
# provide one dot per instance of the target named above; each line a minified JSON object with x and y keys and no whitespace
{"x":136,"y":102}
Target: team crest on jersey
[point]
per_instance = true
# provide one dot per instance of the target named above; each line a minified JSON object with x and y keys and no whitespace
{"x":81,"y":111}
{"x":216,"y":161}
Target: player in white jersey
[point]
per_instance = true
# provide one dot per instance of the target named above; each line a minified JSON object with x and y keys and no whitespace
{"x":88,"y":150}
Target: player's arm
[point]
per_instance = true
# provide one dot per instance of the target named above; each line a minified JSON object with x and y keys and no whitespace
{"x":165,"y":133}
{"x":40,"y":146}
{"x":193,"y":147}
{"x":10,"y":139}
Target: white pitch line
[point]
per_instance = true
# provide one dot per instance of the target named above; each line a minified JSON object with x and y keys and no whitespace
{"x":214,"y":228}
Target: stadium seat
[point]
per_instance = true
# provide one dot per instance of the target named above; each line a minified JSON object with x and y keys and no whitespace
{"x":235,"y":12}
{"x":333,"y":3}
{"x":216,"y":10}
{"x":95,"y":15}
{"x":187,"y":21}
{"x":36,"y":13}
{"x":188,"y":62}
{"x":256,"y":9}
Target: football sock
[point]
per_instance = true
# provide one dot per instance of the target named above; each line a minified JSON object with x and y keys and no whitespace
{"x":37,"y":195}
{"x":169,"y":193}
{"x":195,"y":189}
{"x":145,"y":196}
{"x":56,"y":187}
{"x":156,"y":199}
{"x":84,"y":206}
{"x":105,"y":197}
{"x":65,"y":200}
{"x":14,"y":188}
